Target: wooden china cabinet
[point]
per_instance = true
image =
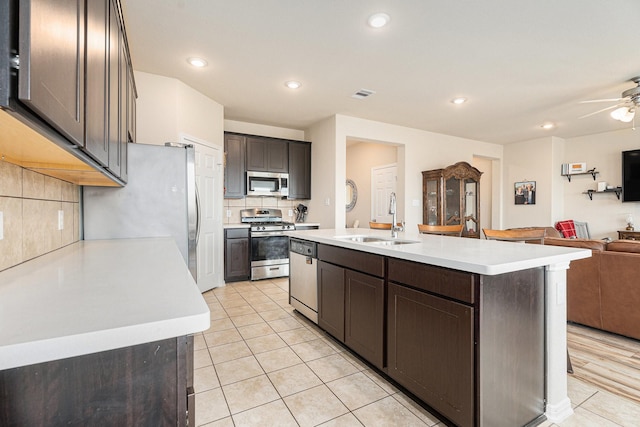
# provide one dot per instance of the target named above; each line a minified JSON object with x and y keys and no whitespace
{"x":451,"y":196}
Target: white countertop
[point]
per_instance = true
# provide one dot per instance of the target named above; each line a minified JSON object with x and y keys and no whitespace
{"x":94,"y":296}
{"x":487,"y":257}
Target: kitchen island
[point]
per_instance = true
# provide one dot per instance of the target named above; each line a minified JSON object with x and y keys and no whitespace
{"x":98,"y":332}
{"x":475,"y":329}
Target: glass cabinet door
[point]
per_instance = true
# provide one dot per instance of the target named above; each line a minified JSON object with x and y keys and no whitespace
{"x":432,"y":202}
{"x":471,"y":207}
{"x":452,"y":202}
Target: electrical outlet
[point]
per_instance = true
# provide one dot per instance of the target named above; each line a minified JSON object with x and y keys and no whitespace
{"x":1,"y":225}
{"x":327,"y":201}
{"x":290,"y":212}
{"x":228,"y":213}
{"x":60,"y":219}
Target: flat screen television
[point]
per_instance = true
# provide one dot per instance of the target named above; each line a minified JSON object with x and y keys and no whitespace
{"x":631,"y":176}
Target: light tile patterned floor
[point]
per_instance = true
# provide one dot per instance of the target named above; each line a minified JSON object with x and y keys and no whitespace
{"x":262,"y":364}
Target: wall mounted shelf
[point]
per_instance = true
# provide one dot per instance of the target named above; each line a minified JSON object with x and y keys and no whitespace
{"x":617,"y":191}
{"x":591,"y":172}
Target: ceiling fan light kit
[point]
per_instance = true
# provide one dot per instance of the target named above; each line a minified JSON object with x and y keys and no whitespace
{"x":625,"y":110}
{"x":624,"y":114}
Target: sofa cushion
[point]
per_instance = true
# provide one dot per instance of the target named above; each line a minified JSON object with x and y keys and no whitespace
{"x":596,"y":245}
{"x":624,"y":246}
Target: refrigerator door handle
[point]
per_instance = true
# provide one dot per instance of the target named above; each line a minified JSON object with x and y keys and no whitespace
{"x":197,"y":214}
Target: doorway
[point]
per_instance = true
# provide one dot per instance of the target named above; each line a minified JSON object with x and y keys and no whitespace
{"x":209,"y":247}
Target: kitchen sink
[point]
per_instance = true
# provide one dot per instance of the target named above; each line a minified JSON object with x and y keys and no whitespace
{"x":361,"y":239}
{"x":376,"y":240}
{"x":394,"y":242}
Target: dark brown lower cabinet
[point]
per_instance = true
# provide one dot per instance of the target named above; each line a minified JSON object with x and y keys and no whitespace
{"x":331,"y":299}
{"x":144,"y":385}
{"x":236,"y":255}
{"x":364,"y":316}
{"x":430,"y":351}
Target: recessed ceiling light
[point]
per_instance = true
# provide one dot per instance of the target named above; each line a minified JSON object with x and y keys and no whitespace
{"x":459,"y":100}
{"x":378,"y":20}
{"x":292,"y":84}
{"x":547,"y":126}
{"x":197,"y":62}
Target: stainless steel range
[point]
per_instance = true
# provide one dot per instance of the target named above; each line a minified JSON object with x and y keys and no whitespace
{"x":269,"y":252}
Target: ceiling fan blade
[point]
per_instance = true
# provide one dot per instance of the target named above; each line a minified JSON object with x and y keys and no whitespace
{"x":600,"y":111}
{"x":602,"y":100}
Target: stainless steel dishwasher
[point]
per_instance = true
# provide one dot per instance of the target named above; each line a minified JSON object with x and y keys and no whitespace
{"x":303,"y":280}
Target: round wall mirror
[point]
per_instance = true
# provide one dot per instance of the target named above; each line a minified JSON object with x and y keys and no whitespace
{"x":351,"y":195}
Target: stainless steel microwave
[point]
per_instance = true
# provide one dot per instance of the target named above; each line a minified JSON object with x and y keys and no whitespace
{"x":267,"y":184}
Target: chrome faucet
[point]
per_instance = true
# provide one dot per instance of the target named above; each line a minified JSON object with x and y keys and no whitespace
{"x":394,"y":218}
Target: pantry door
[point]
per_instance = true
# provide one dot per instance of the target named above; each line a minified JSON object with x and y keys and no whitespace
{"x":209,"y":183}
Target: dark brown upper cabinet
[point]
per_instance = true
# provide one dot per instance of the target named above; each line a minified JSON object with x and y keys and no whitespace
{"x":96,"y":141}
{"x":299,"y":170}
{"x":74,"y":88}
{"x":234,"y":168}
{"x":52,"y":66}
{"x":267,"y":155}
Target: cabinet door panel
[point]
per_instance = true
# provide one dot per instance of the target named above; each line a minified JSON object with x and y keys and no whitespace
{"x":278,"y":156}
{"x":234,"y":169}
{"x":115,"y":157}
{"x":96,"y":141}
{"x":51,"y":77}
{"x":431,"y":351}
{"x":299,"y":170}
{"x":267,"y":155}
{"x":256,"y":154}
{"x":331,"y":299}
{"x":236,"y":263}
{"x":364,"y":316}
{"x":123,"y":105}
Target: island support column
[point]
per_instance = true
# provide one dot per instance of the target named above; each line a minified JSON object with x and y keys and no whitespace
{"x":558,"y":402}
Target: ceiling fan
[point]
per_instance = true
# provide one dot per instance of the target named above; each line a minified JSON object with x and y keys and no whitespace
{"x":626,"y":107}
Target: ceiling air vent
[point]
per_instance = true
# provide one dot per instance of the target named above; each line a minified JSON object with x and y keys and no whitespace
{"x":363,"y":93}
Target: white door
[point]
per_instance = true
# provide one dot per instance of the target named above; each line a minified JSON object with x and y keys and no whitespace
{"x":209,"y":179}
{"x":384,"y":181}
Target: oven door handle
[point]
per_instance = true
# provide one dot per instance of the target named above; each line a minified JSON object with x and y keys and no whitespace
{"x":267,"y":234}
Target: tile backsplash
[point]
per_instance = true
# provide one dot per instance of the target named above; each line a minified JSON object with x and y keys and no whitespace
{"x":234,"y":206}
{"x":30,"y":203}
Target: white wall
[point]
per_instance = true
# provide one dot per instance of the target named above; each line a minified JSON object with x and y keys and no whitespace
{"x":166,"y":107}
{"x":324,"y":176}
{"x":361,"y":157}
{"x":557,"y":198}
{"x":605,"y":213}
{"x":418,"y":151}
{"x":529,"y":161}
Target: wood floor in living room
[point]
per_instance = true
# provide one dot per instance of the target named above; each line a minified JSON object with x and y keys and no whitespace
{"x":608,"y":361}
{"x":262,"y":364}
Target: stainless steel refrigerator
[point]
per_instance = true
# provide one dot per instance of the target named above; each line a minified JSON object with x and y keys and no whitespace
{"x":159,"y":200}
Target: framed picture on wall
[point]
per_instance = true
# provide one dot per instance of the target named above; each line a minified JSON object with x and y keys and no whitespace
{"x":525,"y":193}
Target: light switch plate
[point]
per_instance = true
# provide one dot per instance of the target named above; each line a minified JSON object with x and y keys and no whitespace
{"x":60,"y":219}
{"x":1,"y":225}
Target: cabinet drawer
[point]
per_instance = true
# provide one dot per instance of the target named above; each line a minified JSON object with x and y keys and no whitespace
{"x":449,"y":283}
{"x":236,"y":233}
{"x":355,"y":260}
